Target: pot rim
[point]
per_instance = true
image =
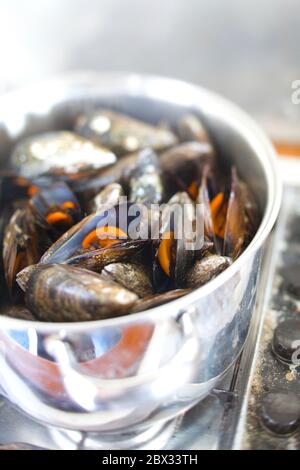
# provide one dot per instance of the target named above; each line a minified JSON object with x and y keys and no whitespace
{"x":179,"y":92}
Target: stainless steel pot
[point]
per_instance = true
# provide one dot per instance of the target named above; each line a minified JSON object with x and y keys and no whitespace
{"x":130,"y":372}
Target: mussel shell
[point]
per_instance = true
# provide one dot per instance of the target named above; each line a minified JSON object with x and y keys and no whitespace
{"x":184,"y":260}
{"x":184,"y":256}
{"x":121,"y":133}
{"x":182,"y":199}
{"x":203,"y":199}
{"x":5,"y":216}
{"x":71,"y":242}
{"x":135,"y":277}
{"x":207,"y":246}
{"x":146,"y":185}
{"x":235,"y":228}
{"x":12,"y":188}
{"x":161,"y":282}
{"x":23,"y":276}
{"x":206,"y":269}
{"x":68,"y":244}
{"x":181,"y":256}
{"x":15,"y":190}
{"x":96,"y":260}
{"x":17,"y":311}
{"x":252,"y":213}
{"x":61,"y":152}
{"x":57,"y":199}
{"x":159,"y":299}
{"x":88,"y":187}
{"x":183,"y":164}
{"x":64,"y":293}
{"x":190,"y":127}
{"x":20,"y":245}
{"x":108,"y":197}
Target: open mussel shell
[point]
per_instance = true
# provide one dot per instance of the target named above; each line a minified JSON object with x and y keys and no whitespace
{"x":213,"y":200}
{"x":183,"y":165}
{"x":159,"y":299}
{"x":21,"y":245}
{"x":108,"y":197}
{"x":184,"y":254}
{"x":203,"y":199}
{"x":61,"y":153}
{"x":63,"y":293}
{"x":251,"y":210}
{"x":123,"y":134}
{"x":235,"y":228}
{"x":95,"y":231}
{"x":174,"y":253}
{"x":133,"y":276}
{"x":146,"y":184}
{"x":55,"y":208}
{"x":230,"y":213}
{"x":206,"y":269}
{"x":16,"y":189}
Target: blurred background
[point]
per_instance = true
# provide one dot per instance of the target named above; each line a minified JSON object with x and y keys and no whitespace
{"x":246,"y":50}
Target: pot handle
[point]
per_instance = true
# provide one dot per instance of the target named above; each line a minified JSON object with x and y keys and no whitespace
{"x":90,"y":392}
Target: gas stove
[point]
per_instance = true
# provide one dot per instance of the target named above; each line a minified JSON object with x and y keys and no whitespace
{"x":257,"y":405}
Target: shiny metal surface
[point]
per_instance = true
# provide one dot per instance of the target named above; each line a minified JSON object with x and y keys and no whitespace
{"x":145,"y":368}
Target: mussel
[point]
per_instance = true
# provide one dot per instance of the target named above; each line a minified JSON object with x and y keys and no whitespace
{"x":23,"y":276}
{"x":5,"y":215}
{"x":17,"y":311}
{"x":146,"y":185}
{"x":96,"y":260}
{"x":224,"y":215}
{"x":135,"y":277}
{"x":206,"y":269}
{"x":100,"y":230}
{"x":174,"y":251}
{"x":12,"y":188}
{"x":183,"y":166}
{"x":21,"y":245}
{"x":190,"y":127}
{"x":251,"y":210}
{"x":235,"y":228}
{"x":108,"y":197}
{"x":58,"y":153}
{"x":204,"y":200}
{"x":55,"y":208}
{"x":121,"y":133}
{"x":64,"y":293}
{"x":88,"y":187}
{"x":15,"y":189}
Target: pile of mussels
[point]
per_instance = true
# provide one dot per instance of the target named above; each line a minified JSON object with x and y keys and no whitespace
{"x":56,"y":266}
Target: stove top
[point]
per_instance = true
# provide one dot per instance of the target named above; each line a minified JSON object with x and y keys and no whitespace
{"x":257,"y":406}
